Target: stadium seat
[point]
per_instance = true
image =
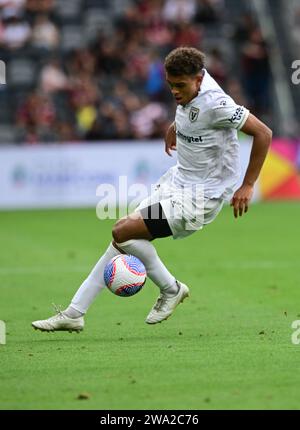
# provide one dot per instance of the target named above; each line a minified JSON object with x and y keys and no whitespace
{"x":7,"y":134}
{"x":5,"y":105}
{"x":62,"y":106}
{"x":95,"y":21}
{"x":119,"y":6}
{"x":71,"y":37}
{"x":101,"y":4}
{"x":69,"y":9}
{"x":21,"y":72}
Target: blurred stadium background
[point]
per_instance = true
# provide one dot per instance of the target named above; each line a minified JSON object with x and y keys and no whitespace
{"x":90,"y":72}
{"x":93,"y":69}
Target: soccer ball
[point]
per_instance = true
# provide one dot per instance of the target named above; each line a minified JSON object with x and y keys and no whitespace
{"x":125,"y":275}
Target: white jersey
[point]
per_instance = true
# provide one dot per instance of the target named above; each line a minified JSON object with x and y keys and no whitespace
{"x":207,"y":141}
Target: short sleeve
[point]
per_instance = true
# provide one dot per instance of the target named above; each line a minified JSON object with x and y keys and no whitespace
{"x":225,"y":113}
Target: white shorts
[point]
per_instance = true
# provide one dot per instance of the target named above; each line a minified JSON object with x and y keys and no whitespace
{"x":186,"y":208}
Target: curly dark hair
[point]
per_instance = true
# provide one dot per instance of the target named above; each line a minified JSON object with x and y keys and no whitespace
{"x":184,"y":61}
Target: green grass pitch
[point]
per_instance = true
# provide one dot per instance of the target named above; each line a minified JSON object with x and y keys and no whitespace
{"x":227,"y":347}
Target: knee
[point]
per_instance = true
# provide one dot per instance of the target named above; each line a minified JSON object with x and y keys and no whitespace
{"x":119,"y":232}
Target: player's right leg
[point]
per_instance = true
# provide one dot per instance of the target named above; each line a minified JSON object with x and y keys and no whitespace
{"x":71,"y":319}
{"x":172,"y":292}
{"x":59,"y":322}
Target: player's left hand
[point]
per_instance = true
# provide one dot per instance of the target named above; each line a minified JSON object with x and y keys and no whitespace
{"x":241,"y":199}
{"x":170,"y":140}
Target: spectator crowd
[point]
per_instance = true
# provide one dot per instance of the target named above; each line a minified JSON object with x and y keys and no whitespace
{"x":93,"y":70}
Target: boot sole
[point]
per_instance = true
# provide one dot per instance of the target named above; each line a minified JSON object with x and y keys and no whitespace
{"x":77,"y":330}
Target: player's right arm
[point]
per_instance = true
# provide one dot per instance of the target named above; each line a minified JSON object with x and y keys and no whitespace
{"x":170,"y":139}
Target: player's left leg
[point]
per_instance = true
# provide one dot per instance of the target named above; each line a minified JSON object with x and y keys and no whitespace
{"x":132,"y":235}
{"x":132,"y":227}
{"x":126,"y":234}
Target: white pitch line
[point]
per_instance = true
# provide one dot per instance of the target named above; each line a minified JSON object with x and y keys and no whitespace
{"x":42,"y":270}
{"x":246,"y":265}
{"x":260,"y":265}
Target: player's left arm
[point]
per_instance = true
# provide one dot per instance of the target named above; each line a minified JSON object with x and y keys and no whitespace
{"x":262,"y":137}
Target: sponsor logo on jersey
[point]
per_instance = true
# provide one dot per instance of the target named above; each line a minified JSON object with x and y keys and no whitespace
{"x":189,"y":139}
{"x":237,"y":116}
{"x":194,"y":113}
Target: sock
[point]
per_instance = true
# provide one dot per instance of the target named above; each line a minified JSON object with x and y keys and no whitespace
{"x":91,"y":287}
{"x":70,"y":312}
{"x":155,"y":268}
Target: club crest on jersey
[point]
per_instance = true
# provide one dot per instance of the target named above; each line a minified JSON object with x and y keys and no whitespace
{"x":194,"y":113}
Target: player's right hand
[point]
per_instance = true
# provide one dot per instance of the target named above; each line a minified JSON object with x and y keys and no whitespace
{"x":170,"y":140}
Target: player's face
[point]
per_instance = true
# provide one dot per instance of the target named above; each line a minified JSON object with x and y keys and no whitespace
{"x":184,"y":88}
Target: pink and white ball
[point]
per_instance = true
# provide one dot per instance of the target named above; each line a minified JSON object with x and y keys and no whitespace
{"x":125,"y":275}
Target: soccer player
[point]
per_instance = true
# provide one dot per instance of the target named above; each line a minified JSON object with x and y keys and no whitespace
{"x":204,"y":134}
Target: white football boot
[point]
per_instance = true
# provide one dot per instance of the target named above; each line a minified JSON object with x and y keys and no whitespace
{"x":166,"y":304}
{"x":59,"y":322}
